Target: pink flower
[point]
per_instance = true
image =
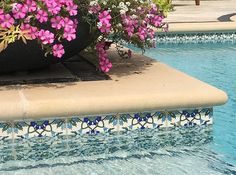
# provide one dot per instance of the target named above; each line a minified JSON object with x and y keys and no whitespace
{"x":104,"y":24}
{"x":104,"y":62}
{"x":94,"y":9}
{"x":58,"y":50}
{"x":19,"y":11}
{"x":1,"y":14}
{"x":130,"y":30}
{"x":42,"y":16}
{"x":72,"y":9}
{"x":130,"y":24}
{"x":68,"y":23}
{"x":66,"y":2}
{"x":154,"y":9}
{"x":31,"y":5}
{"x":76,"y":22}
{"x":30,"y":30}
{"x":7,"y":21}
{"x":157,"y":20}
{"x":46,"y":36}
{"x":69,"y":34}
{"x":105,"y":27}
{"x":166,"y":28}
{"x":57,"y":22}
{"x":104,"y":17}
{"x":151,"y":33}
{"x":142,"y":32}
{"x":105,"y":65}
{"x":54,"y":7}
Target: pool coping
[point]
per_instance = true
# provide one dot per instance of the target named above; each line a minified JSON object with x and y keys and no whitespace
{"x":202,"y":26}
{"x":233,"y":18}
{"x":138,"y":84}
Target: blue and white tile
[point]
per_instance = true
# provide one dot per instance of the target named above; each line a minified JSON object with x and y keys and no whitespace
{"x":6,"y":130}
{"x":142,"y":120}
{"x":97,"y":124}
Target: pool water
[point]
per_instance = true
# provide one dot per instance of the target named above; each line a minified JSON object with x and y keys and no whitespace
{"x":214,"y":63}
{"x":198,"y":150}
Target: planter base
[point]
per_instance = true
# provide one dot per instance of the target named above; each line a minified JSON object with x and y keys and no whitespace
{"x":75,"y":69}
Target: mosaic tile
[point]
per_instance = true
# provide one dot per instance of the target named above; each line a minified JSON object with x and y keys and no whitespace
{"x":77,"y":125}
{"x":174,"y":38}
{"x":28,"y":129}
{"x":138,"y":121}
{"x":97,"y":124}
{"x":194,"y":117}
{"x":6,"y":130}
{"x":167,"y":118}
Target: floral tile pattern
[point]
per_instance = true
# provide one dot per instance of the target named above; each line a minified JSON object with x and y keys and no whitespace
{"x":212,"y":37}
{"x":77,"y":125}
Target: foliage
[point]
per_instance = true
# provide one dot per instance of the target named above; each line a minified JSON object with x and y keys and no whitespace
{"x":132,"y":21}
{"x":165,"y":5}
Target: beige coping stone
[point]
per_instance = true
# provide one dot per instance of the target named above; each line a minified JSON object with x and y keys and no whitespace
{"x":233,"y":18}
{"x":138,"y":84}
{"x":202,"y":27}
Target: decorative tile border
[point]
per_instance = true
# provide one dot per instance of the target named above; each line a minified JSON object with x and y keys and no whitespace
{"x":175,"y":38}
{"x":77,"y":125}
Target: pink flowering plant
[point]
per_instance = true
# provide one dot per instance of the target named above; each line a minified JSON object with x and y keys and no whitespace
{"x":111,"y":21}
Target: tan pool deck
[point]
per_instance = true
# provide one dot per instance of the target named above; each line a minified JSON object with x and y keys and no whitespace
{"x":211,"y":15}
{"x":139,"y":84}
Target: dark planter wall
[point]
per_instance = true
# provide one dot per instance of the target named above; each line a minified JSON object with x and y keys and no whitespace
{"x":20,"y":57}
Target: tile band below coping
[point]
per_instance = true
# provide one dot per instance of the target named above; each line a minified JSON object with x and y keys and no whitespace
{"x":203,"y":37}
{"x":26,"y":129}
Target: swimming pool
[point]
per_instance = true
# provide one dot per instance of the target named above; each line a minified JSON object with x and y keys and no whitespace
{"x":199,"y":150}
{"x":214,"y":64}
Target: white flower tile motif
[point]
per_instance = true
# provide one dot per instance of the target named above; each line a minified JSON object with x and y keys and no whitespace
{"x":97,"y":124}
{"x":139,"y":121}
{"x":194,"y":117}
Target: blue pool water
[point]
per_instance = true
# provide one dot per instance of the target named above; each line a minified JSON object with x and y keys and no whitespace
{"x":190,"y":151}
{"x":216,"y":65}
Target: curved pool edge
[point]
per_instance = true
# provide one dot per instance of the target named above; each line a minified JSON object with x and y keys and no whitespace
{"x":202,"y":27}
{"x":139,"y":84}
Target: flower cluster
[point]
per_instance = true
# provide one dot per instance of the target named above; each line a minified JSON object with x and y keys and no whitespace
{"x":104,"y":62}
{"x":31,"y":15}
{"x":132,"y":21}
